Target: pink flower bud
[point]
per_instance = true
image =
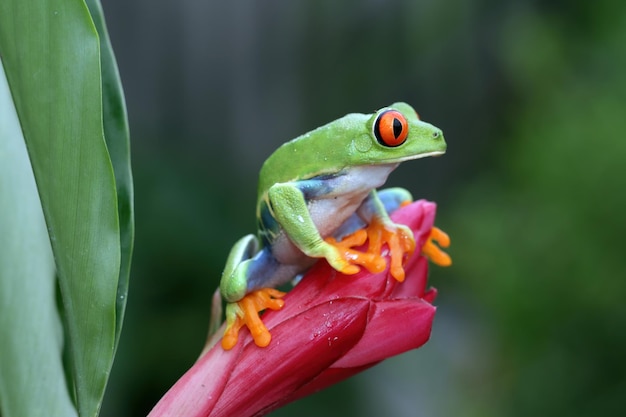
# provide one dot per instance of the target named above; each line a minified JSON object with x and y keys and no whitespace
{"x":331,"y":327}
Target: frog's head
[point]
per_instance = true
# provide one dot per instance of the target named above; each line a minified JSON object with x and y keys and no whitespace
{"x":396,"y":134}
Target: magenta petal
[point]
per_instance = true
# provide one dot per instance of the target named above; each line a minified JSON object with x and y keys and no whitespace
{"x":324,"y":284}
{"x":395,"y":326}
{"x":419,"y":216}
{"x":197,"y":391}
{"x":327,"y":378}
{"x":430,"y":295}
{"x":301,"y":349}
{"x":363,"y":284}
{"x":415,"y":283}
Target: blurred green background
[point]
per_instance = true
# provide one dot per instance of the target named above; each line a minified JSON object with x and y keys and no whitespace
{"x":531,"y":96}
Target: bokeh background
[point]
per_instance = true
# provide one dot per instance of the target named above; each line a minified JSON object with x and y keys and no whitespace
{"x":531,"y":96}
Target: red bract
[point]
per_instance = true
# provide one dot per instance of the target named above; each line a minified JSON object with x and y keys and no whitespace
{"x":331,"y":327}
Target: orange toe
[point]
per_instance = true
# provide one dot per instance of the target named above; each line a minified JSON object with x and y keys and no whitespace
{"x":246,"y":312}
{"x":374,"y":263}
{"x":401,"y":244}
{"x":434,"y":252}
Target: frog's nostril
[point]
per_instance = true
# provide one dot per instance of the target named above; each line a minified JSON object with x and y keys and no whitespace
{"x":436,"y":134}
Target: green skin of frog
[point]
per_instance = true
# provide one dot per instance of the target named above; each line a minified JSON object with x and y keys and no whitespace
{"x":314,"y":191}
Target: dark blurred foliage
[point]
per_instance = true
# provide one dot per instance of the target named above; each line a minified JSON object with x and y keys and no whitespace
{"x":531,"y":97}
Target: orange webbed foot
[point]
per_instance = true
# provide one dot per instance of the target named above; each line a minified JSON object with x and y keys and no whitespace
{"x":246,"y":312}
{"x":434,"y":252}
{"x":352,"y":259}
{"x":398,"y":238}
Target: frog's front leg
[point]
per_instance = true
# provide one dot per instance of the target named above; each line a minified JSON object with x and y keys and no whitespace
{"x":245,"y":301}
{"x":289,"y":207}
{"x":381,"y":229}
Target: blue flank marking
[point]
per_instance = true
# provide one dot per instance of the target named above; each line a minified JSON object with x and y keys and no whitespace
{"x":317,"y":186}
{"x":268,"y":226}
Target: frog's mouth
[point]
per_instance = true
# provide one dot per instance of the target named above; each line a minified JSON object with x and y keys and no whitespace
{"x":419,"y":156}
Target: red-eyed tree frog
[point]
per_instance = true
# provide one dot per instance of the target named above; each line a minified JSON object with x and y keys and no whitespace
{"x":313,"y":192}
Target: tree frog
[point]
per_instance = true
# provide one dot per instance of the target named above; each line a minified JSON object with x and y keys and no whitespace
{"x":316,"y":199}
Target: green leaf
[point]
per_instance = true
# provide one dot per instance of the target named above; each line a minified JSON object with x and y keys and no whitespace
{"x":32,"y":379}
{"x":117,"y":139}
{"x":60,"y":88}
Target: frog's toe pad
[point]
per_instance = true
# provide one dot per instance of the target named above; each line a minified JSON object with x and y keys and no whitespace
{"x":434,"y":252}
{"x":245,"y":312}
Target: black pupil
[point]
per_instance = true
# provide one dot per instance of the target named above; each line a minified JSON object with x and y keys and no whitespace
{"x":397,"y":127}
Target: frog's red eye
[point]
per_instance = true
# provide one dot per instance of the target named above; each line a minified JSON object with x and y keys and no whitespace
{"x":391,"y":128}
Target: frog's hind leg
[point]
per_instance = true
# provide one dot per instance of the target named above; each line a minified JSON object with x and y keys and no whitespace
{"x":244,"y":261}
{"x":250,"y":267}
{"x":233,"y":283}
{"x":394,"y":198}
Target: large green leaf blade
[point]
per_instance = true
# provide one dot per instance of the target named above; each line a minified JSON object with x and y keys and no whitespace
{"x":51,"y":55}
{"x":118,"y":143}
{"x":32,"y":379}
